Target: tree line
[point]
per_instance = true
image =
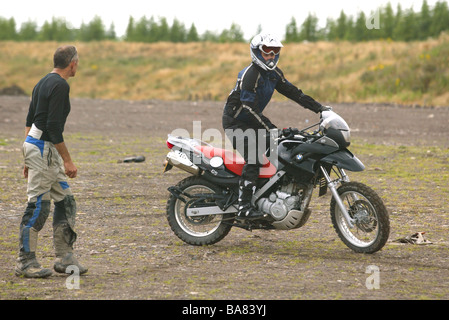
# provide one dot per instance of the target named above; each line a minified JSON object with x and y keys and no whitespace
{"x":142,"y":30}
{"x":149,"y":30}
{"x":58,"y":29}
{"x":384,"y":23}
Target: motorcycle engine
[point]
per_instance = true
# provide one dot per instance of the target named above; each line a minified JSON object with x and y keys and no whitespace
{"x":279,"y":203}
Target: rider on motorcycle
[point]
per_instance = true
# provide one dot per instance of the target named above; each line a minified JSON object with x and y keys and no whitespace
{"x":243,"y":110}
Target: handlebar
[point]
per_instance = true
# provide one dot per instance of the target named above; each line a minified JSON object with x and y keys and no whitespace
{"x":290,"y":132}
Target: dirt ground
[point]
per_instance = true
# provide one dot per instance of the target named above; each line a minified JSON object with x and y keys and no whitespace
{"x":125,"y":241}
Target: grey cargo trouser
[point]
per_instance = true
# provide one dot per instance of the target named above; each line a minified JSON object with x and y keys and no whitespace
{"x":46,"y":180}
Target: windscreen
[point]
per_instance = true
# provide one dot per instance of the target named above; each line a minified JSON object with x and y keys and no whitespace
{"x":333,"y":120}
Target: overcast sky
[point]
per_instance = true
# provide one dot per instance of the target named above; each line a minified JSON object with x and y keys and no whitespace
{"x":212,"y":15}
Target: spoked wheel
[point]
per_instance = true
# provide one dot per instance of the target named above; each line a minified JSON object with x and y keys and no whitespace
{"x":372,"y":225}
{"x":201,"y":230}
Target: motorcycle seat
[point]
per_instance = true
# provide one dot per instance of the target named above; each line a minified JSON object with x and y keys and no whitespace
{"x":234,"y":162}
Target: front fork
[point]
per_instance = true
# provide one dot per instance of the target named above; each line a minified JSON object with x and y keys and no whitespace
{"x":332,"y":185}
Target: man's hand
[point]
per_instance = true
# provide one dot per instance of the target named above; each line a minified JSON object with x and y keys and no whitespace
{"x":70,"y":169}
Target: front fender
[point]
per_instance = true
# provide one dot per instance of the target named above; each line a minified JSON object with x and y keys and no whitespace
{"x":344,"y":159}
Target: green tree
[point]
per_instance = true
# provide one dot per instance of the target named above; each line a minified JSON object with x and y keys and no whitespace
{"x":407,"y":27}
{"x":93,"y":31}
{"x":110,"y":33}
{"x":388,"y":22}
{"x":234,"y":34}
{"x":177,"y":31}
{"x":342,"y":26}
{"x":210,"y":36}
{"x":192,"y":35}
{"x":309,"y":29}
{"x":440,"y":19}
{"x":130,"y":30}
{"x":8,"y":29}
{"x":350,"y":33}
{"x":398,"y":18}
{"x":425,"y":20}
{"x":142,"y":30}
{"x":153,"y":30}
{"x":331,"y":29}
{"x":163,"y":30}
{"x":28,"y":31}
{"x":291,"y":31}
{"x":360,"y":31}
{"x":56,"y":30}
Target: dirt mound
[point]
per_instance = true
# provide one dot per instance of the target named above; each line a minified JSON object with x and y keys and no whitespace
{"x":13,"y":90}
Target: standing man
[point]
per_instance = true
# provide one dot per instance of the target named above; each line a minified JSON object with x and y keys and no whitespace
{"x":47,"y":166}
{"x":242,"y":115}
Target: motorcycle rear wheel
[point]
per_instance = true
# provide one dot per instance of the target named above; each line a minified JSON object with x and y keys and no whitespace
{"x":198,"y":231}
{"x":372,"y":228}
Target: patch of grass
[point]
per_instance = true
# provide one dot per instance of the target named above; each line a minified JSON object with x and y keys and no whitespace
{"x":376,"y":71}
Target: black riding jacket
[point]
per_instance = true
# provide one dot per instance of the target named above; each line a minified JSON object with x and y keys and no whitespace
{"x":251,"y":94}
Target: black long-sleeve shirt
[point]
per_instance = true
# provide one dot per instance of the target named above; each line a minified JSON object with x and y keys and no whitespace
{"x":49,"y":107}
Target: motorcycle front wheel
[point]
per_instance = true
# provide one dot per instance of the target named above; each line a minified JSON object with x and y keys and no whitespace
{"x":372,"y":224}
{"x":201,"y":230}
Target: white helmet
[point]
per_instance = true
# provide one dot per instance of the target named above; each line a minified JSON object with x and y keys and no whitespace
{"x":268,"y":44}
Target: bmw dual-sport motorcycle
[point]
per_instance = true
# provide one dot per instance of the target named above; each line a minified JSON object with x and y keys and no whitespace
{"x":202,"y":208}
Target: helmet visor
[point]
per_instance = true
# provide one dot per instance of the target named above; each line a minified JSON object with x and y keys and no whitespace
{"x":268,"y":50}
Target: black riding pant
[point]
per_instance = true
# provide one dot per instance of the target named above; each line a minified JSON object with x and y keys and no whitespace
{"x":250,"y":142}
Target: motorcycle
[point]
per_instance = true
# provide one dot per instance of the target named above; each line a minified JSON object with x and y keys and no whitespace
{"x":202,"y":208}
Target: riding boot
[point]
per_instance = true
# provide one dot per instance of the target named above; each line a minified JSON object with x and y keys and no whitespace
{"x":33,"y":220}
{"x":246,"y":210}
{"x":64,"y":235}
{"x":28,"y":267}
{"x":63,"y":239}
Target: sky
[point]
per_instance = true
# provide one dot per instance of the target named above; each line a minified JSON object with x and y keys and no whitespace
{"x":212,"y":15}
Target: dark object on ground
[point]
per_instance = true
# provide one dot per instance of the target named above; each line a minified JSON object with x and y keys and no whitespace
{"x":134,"y":159}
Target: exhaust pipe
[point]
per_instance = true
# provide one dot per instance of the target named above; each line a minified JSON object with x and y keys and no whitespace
{"x":180,"y":160}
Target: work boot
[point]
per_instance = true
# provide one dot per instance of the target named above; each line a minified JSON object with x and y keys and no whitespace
{"x":28,"y":266}
{"x":62,"y":263}
{"x":246,"y":210}
{"x":63,"y":239}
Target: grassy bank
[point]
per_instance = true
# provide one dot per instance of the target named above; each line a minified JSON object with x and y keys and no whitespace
{"x":377,"y":71}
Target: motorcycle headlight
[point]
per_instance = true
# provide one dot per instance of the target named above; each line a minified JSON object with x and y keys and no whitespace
{"x":346,"y":135}
{"x":342,"y":137}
